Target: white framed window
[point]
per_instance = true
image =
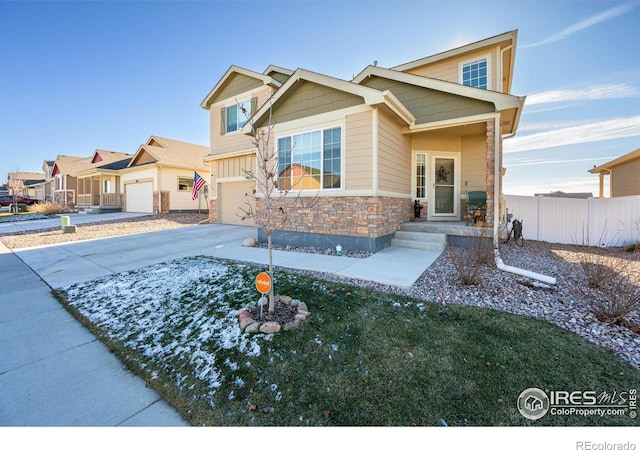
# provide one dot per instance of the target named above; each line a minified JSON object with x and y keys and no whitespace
{"x":185,"y":184}
{"x":234,"y":116}
{"x":311,"y":160}
{"x":107,"y":186}
{"x":475,"y":73}
{"x":421,"y":176}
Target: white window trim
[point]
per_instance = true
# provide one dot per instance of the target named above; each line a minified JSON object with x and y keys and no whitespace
{"x":414,"y":185}
{"x":478,"y":58}
{"x":235,"y":102}
{"x":284,"y":134}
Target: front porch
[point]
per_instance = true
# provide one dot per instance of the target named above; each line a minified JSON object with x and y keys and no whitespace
{"x":100,"y":202}
{"x":436,"y":235}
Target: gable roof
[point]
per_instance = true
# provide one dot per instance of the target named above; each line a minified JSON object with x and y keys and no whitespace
{"x":606,"y":167}
{"x":495,"y":40}
{"x":233,"y":70}
{"x":370,"y":96}
{"x":105,"y":160}
{"x":501,"y":101}
{"x":70,"y":165}
{"x":170,"y":152}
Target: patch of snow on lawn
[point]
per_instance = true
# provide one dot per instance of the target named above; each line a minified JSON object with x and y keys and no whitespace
{"x":178,"y":314}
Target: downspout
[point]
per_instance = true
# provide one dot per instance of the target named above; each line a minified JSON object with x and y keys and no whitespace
{"x":496,"y":216}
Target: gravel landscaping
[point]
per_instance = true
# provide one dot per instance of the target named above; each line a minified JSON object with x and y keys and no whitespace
{"x":519,"y":295}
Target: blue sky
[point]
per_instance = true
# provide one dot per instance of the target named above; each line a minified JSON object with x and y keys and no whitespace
{"x":77,"y":76}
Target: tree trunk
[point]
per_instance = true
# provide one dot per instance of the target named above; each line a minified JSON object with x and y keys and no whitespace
{"x":272,"y":303}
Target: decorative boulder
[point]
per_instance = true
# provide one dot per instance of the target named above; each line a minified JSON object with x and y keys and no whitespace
{"x":249,"y":242}
{"x":284,"y":299}
{"x":302,"y":307}
{"x":270,"y":327}
{"x":245,"y":322}
{"x":253,"y":328}
{"x":300,"y":317}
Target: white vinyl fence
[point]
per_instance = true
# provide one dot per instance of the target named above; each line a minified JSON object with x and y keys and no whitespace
{"x":593,"y":221}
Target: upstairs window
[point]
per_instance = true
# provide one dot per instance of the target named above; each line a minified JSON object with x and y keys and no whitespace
{"x":233,"y":117}
{"x":476,"y":73}
{"x":310,"y":161}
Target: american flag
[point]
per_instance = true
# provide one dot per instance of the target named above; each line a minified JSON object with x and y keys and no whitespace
{"x":198,"y":182}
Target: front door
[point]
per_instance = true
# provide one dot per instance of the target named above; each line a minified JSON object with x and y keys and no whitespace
{"x":444,"y":193}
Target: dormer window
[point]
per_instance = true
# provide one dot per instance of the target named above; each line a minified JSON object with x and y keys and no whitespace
{"x":476,"y":73}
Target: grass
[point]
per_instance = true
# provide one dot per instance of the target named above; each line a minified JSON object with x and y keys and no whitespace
{"x":363,"y":358}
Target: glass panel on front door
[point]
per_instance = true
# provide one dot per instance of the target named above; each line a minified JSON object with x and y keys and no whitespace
{"x":444,"y":185}
{"x":421,"y":175}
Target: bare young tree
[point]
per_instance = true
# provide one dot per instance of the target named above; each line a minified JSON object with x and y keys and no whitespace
{"x":15,"y":184}
{"x":271,"y":216}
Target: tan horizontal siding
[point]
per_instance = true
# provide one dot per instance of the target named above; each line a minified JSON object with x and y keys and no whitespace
{"x":449,"y":69}
{"x":473,"y":163}
{"x":625,"y":179}
{"x":358,"y":151}
{"x":435,"y":142}
{"x":394,"y":157}
{"x":234,"y":141}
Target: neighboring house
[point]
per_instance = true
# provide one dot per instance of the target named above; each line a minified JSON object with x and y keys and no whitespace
{"x":64,"y":179}
{"x":43,"y":189}
{"x":623,"y":175}
{"x":159,"y":177}
{"x":561,"y":194}
{"x":98,"y":186}
{"x":429,"y":130}
{"x":23,"y":183}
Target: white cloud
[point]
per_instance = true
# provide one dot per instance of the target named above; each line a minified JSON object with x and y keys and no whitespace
{"x":591,"y":132}
{"x":535,"y":162}
{"x":602,"y":92}
{"x":583,"y":24}
{"x":550,"y":125}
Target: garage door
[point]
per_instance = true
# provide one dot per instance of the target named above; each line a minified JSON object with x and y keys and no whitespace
{"x":139,"y":197}
{"x":231,"y":197}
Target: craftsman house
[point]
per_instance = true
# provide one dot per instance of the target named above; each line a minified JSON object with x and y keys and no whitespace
{"x":623,"y":175}
{"x":98,"y":186}
{"x":429,"y":130}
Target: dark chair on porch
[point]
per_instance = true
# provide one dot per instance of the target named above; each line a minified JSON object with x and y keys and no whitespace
{"x":476,"y":207}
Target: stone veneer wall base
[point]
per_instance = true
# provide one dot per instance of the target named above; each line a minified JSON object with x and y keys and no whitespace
{"x":301,"y":239}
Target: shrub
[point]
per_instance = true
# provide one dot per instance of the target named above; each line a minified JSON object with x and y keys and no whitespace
{"x":469,"y":259}
{"x":612,"y":288}
{"x":615,"y":300}
{"x":49,"y":208}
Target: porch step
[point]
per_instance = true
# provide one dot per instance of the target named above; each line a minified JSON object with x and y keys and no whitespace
{"x":420,"y":240}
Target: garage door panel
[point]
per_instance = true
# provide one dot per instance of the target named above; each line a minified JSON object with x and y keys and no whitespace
{"x":139,"y":197}
{"x":232,"y":197}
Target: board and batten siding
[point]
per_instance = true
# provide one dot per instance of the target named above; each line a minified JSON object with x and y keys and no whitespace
{"x":358,"y":151}
{"x":394,"y":157}
{"x":233,"y":167}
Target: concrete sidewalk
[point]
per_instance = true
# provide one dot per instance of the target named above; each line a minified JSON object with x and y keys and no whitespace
{"x":53,"y":372}
{"x":65,"y":264}
{"x":76,"y":219}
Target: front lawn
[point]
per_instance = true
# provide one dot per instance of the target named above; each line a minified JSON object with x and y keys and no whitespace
{"x":362,"y":358}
